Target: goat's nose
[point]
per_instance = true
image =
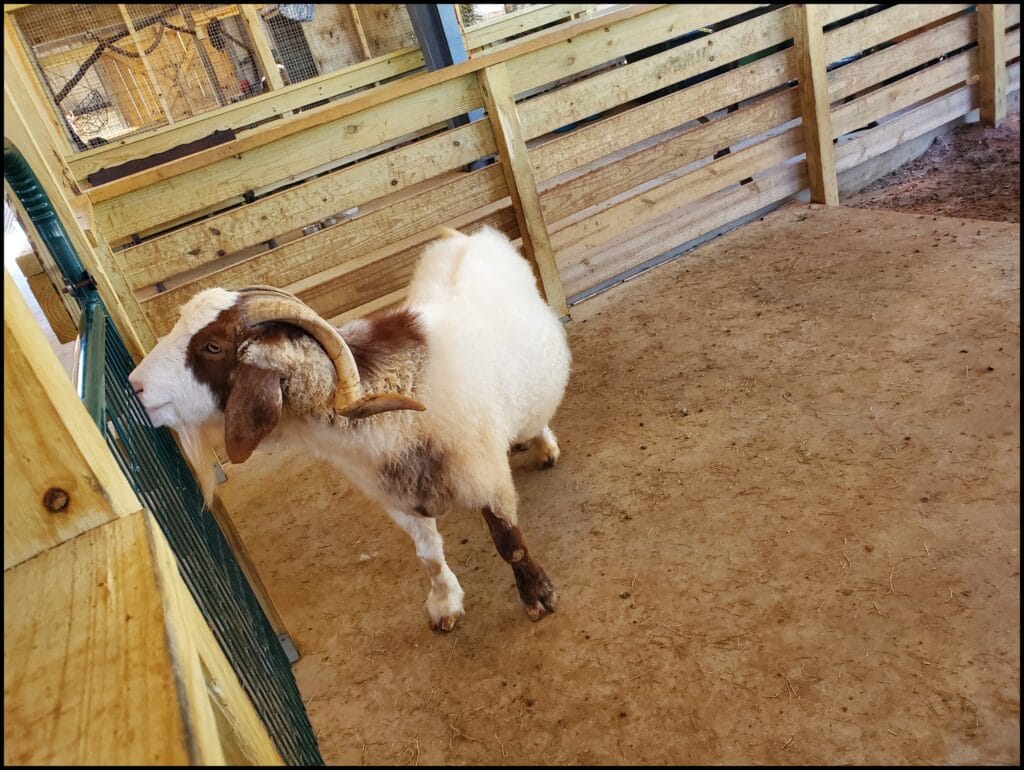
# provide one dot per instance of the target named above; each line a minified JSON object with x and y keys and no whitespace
{"x":136,"y":383}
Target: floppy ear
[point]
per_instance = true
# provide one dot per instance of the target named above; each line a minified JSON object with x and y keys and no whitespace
{"x":253,"y":409}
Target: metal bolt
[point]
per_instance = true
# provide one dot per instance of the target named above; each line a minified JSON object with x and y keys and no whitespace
{"x":56,"y":500}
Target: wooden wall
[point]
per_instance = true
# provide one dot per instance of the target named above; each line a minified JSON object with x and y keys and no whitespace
{"x":614,"y":159}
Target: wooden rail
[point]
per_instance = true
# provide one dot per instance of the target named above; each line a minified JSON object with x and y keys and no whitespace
{"x":598,"y":130}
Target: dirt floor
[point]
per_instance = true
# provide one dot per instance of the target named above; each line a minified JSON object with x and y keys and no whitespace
{"x":784,"y":528}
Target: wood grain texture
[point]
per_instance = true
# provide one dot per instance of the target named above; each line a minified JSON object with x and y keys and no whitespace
{"x":992,"y":62}
{"x":89,"y":675}
{"x":885,"y":25}
{"x":519,"y":179}
{"x":814,"y":106}
{"x":50,"y":443}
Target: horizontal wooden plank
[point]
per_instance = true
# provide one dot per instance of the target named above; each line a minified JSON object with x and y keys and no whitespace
{"x":1012,"y":44}
{"x":833,"y":12}
{"x":904,"y":93}
{"x":89,"y":675}
{"x":595,"y":140}
{"x":358,"y":103}
{"x":612,"y":220}
{"x":340,"y":246}
{"x":1013,"y":77}
{"x":884,"y":26}
{"x":609,"y":43}
{"x":895,"y":60}
{"x":1012,"y":14}
{"x":873,"y":142}
{"x":245,"y":113}
{"x":582,"y":270}
{"x":380,"y":276}
{"x":703,"y":140}
{"x":190,"y":247}
{"x":283,"y":160}
{"x":519,"y":22}
{"x":609,"y":89}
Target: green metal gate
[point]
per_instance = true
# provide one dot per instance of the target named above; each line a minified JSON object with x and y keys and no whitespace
{"x":150,"y":459}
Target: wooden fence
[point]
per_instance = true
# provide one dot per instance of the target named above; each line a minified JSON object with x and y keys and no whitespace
{"x":640,"y":130}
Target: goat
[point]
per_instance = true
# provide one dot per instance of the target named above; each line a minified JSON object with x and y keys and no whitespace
{"x":417,"y":406}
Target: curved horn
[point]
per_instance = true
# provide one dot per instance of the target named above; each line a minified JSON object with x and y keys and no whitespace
{"x":265,"y":304}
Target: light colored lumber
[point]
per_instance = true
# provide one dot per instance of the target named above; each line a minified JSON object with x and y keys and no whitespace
{"x":523,"y":20}
{"x":613,"y":220}
{"x":609,"y":42}
{"x":55,"y":128}
{"x":203,"y":242}
{"x":352,"y":105}
{"x":243,"y":113}
{"x":584,"y":269}
{"x":89,"y":673}
{"x":258,"y":36}
{"x":992,"y":62}
{"x":59,"y":307}
{"x":907,"y":126}
{"x":122,"y":305}
{"x":291,"y":157}
{"x":882,"y":26}
{"x":894,"y":60}
{"x":593,"y":141}
{"x":624,"y":173}
{"x":50,"y":443}
{"x":1011,"y":11}
{"x":817,"y":123}
{"x":222,"y":717}
{"x":499,"y":100}
{"x":904,"y":93}
{"x":622,"y":84}
{"x":341,"y":246}
{"x":141,"y":49}
{"x":353,"y":11}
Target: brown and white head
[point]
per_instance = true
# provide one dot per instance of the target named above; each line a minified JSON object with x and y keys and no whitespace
{"x":241,"y":356}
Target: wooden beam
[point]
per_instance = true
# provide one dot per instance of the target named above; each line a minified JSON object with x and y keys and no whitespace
{"x":499,"y":100}
{"x":60,"y":479}
{"x":258,"y":34}
{"x":145,"y":63}
{"x":353,"y":10}
{"x":204,"y":57}
{"x":817,"y":121}
{"x":992,"y":61}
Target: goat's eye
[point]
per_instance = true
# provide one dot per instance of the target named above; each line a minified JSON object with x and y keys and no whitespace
{"x":212,"y":347}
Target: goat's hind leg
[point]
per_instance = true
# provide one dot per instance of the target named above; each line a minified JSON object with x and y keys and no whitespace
{"x":535,"y":588}
{"x":545,"y":449}
{"x":444,"y":602}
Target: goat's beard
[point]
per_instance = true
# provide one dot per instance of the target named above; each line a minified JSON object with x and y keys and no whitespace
{"x":198,"y":443}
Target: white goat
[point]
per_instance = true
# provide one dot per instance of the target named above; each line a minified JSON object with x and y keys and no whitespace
{"x":418,"y":406}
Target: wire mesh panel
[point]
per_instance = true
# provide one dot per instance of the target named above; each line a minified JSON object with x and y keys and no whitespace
{"x":115,"y":70}
{"x":160,"y":477}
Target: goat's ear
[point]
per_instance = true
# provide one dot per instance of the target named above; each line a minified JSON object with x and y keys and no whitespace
{"x":376,"y":403}
{"x":253,"y":409}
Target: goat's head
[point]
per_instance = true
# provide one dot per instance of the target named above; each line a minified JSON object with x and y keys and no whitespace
{"x":234,"y":353}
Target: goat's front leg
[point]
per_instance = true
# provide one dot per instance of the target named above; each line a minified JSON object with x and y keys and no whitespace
{"x":535,"y":588}
{"x":444,"y":602}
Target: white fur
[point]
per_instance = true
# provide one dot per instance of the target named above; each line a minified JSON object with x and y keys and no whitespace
{"x":496,"y":369}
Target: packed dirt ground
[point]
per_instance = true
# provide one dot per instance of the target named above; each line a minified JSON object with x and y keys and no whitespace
{"x":784,"y":528}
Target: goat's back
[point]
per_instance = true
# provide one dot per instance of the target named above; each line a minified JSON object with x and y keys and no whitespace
{"x":499,"y":360}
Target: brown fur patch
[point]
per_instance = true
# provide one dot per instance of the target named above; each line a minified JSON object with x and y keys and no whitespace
{"x":391,"y":332}
{"x":419,"y":476}
{"x":535,"y":589}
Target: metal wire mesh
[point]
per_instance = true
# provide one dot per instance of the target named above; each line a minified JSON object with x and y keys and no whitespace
{"x":114,"y":70}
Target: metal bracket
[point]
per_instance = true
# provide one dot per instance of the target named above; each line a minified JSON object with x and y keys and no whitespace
{"x":289,"y":648}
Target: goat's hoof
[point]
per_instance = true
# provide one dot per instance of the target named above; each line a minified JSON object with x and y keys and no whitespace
{"x":545,"y":450}
{"x":445,"y":623}
{"x":536,"y":591}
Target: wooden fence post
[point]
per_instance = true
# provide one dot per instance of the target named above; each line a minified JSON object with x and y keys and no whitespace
{"x":257,"y":33}
{"x":992,"y":62}
{"x":522,"y":185}
{"x":809,"y":40}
